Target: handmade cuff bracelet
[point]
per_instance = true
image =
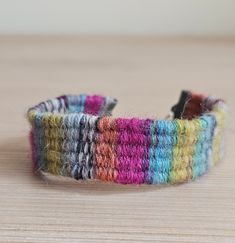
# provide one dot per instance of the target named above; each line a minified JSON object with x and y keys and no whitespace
{"x":75,"y":136}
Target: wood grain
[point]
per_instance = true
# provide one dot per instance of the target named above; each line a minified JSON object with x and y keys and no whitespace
{"x":146,"y":75}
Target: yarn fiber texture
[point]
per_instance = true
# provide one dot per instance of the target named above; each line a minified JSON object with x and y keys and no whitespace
{"x":75,"y":136}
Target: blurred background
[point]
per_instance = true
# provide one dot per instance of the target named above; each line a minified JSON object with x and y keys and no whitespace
{"x":138,"y":17}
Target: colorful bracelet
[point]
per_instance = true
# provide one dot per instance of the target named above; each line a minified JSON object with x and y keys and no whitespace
{"x":75,"y":136}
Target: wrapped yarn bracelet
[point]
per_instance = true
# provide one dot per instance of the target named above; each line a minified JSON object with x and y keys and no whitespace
{"x":75,"y":136}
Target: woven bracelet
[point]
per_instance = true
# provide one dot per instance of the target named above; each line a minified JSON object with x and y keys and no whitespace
{"x":75,"y":136}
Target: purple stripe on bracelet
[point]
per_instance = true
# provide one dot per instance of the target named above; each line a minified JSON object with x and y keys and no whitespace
{"x":93,"y":104}
{"x":130,"y":150}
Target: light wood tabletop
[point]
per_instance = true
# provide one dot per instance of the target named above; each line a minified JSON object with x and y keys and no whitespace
{"x":146,"y":75}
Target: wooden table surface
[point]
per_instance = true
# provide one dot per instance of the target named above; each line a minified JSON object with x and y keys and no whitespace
{"x":146,"y":75}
